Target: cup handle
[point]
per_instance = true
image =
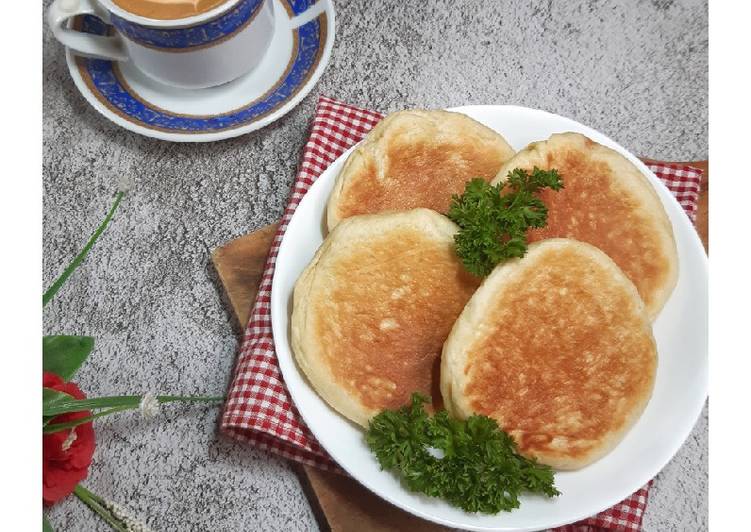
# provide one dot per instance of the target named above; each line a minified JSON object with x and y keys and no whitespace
{"x":311,"y":13}
{"x":80,"y":43}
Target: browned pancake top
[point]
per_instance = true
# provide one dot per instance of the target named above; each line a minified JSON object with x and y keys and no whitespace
{"x":384,"y":324}
{"x":567,"y":358}
{"x":593,"y":209}
{"x":419,"y":173}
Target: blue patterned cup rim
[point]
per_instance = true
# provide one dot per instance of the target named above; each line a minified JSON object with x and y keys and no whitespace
{"x":101,"y":82}
{"x":195,"y":37}
{"x":217,"y":11}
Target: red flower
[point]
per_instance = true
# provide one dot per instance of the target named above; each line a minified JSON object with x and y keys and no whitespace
{"x":67,"y":453}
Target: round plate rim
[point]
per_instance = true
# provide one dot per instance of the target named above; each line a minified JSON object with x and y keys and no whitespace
{"x":85,"y":91}
{"x":287,"y":362}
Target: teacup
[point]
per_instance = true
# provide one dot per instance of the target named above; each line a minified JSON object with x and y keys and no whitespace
{"x":195,"y":52}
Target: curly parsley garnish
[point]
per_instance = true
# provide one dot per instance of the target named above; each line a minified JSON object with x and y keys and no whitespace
{"x":480,"y":469}
{"x":493,"y":224}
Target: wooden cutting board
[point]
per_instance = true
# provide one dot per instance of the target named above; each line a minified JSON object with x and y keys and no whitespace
{"x":340,"y":503}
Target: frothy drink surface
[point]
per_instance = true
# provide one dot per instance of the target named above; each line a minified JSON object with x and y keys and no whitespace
{"x":168,"y":9}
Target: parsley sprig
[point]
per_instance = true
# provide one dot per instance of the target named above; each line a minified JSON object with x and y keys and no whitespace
{"x":493,"y":220}
{"x":480,"y":469}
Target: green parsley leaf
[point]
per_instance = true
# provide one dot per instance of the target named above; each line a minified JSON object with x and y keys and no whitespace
{"x":493,"y":224}
{"x":472,"y":464}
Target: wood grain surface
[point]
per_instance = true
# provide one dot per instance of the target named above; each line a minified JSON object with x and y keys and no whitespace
{"x":341,"y":503}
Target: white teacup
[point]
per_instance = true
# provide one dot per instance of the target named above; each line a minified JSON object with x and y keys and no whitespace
{"x":201,"y":51}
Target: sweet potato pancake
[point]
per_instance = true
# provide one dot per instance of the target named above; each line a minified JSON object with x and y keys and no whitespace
{"x":610,"y":204}
{"x":558,"y":348}
{"x":415,"y":159}
{"x":373,"y":308}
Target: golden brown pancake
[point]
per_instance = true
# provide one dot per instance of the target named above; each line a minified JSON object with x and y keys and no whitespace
{"x":415,"y":159}
{"x":609,"y":203}
{"x":558,"y":348}
{"x":373,"y":308}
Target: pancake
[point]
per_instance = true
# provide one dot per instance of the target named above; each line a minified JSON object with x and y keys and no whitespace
{"x":415,"y":159}
{"x":609,"y":203}
{"x":558,"y":348}
{"x":372,"y":310}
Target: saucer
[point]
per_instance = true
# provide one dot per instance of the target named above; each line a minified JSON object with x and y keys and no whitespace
{"x":295,"y":59}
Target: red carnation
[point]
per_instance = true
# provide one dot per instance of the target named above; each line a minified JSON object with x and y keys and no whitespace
{"x":67,"y":453}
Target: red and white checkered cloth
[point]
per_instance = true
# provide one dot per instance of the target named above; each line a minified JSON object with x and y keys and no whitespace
{"x":259,"y":409}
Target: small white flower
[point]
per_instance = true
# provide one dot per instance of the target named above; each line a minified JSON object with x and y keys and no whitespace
{"x":125,"y":183}
{"x":131,"y":523}
{"x":70,"y":439}
{"x":149,"y":406}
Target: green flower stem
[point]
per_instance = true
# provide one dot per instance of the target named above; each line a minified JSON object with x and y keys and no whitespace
{"x":97,"y":504}
{"x":56,"y":427}
{"x":52,"y":290}
{"x":132,"y":401}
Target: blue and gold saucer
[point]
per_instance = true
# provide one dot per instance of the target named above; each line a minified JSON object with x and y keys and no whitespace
{"x":291,"y":67}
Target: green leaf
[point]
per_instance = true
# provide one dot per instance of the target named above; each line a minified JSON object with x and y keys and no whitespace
{"x":493,"y":219}
{"x":46,"y":526}
{"x":63,"y":354}
{"x":52,"y":398}
{"x":471,"y":463}
{"x":52,"y":290}
{"x":130,"y":401}
{"x":98,"y":505}
{"x":57,"y":427}
{"x":66,"y":404}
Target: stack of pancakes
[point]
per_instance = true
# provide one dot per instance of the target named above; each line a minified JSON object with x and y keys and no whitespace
{"x":556,"y":346}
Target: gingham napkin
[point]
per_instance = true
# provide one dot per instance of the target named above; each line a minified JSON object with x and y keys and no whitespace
{"x":259,"y":409}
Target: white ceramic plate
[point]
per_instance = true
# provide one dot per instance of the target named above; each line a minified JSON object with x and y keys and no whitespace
{"x":680,"y":387}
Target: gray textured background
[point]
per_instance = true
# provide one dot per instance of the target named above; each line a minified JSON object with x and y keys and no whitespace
{"x":635,"y":70}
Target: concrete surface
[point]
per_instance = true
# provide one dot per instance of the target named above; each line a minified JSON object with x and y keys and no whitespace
{"x":635,"y":70}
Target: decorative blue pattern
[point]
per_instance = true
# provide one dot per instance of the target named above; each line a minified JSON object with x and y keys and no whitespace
{"x":187,"y":38}
{"x":299,"y":6}
{"x":108,"y":88}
